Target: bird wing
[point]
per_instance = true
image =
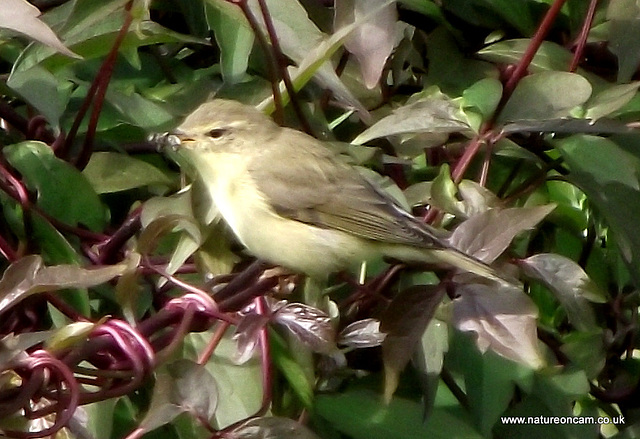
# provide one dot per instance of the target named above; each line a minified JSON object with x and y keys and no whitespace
{"x":311,"y":185}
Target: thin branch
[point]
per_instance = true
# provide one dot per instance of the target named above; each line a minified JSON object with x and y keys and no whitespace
{"x":102,"y":81}
{"x":536,"y":41}
{"x":582,"y":38}
{"x":281,"y":63}
{"x":272,"y":67}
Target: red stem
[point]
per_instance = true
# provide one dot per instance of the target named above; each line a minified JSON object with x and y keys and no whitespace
{"x":534,"y":45}
{"x":281,"y":64}
{"x":102,"y":81}
{"x":582,"y":38}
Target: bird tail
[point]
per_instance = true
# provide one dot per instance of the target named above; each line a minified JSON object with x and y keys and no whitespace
{"x":449,"y":256}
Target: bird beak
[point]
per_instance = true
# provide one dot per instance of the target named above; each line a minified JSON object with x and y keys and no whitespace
{"x":171,"y":140}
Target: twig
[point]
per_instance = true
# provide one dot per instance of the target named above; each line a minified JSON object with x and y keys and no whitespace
{"x":582,"y":38}
{"x":281,"y":63}
{"x":272,"y":66}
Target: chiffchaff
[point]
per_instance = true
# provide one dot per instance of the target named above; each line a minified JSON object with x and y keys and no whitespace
{"x":291,"y":201}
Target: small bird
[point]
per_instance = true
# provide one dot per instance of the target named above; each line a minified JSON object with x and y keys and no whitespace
{"x":291,"y":201}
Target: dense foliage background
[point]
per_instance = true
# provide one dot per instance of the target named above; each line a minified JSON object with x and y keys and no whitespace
{"x":511,"y":123}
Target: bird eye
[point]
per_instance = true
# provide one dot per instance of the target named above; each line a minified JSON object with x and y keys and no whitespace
{"x":216,"y":133}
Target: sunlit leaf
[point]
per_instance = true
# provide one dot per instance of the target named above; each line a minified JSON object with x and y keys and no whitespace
{"x":430,"y":114}
{"x":503,"y":319}
{"x":112,"y":172}
{"x":21,"y":16}
{"x":372,"y":42}
{"x":69,"y":335}
{"x":238,"y":384}
{"x":29,"y":276}
{"x":302,"y":41}
{"x":487,"y":235}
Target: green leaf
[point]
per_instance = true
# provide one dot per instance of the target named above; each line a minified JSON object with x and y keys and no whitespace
{"x":544,"y":95}
{"x":483,"y":96}
{"x":112,"y":172}
{"x":63,"y":192}
{"x":495,"y":13}
{"x":608,"y":174}
{"x":624,"y":34}
{"x":444,"y":191}
{"x":587,"y":350}
{"x":425,"y":7}
{"x":311,"y":49}
{"x":554,"y":394}
{"x":56,"y":249}
{"x":239,"y":385}
{"x":489,"y":380}
{"x":69,"y":335}
{"x":89,"y":28}
{"x":550,"y":56}
{"x":291,"y":370}
{"x":361,"y":414}
{"x":449,"y":68}
{"x":567,"y":125}
{"x":431,"y":114}
{"x":234,"y":37}
{"x":49,"y":94}
{"x":610,"y":99}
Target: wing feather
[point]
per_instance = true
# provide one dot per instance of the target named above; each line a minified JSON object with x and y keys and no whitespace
{"x":330,"y":194}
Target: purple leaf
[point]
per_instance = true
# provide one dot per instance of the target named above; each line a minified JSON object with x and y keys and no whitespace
{"x":362,"y":334}
{"x":372,"y":42}
{"x":488,"y":234}
{"x":503,"y":318}
{"x":310,"y":325}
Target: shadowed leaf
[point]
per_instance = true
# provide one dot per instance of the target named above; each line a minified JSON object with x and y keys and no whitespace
{"x":570,"y":284}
